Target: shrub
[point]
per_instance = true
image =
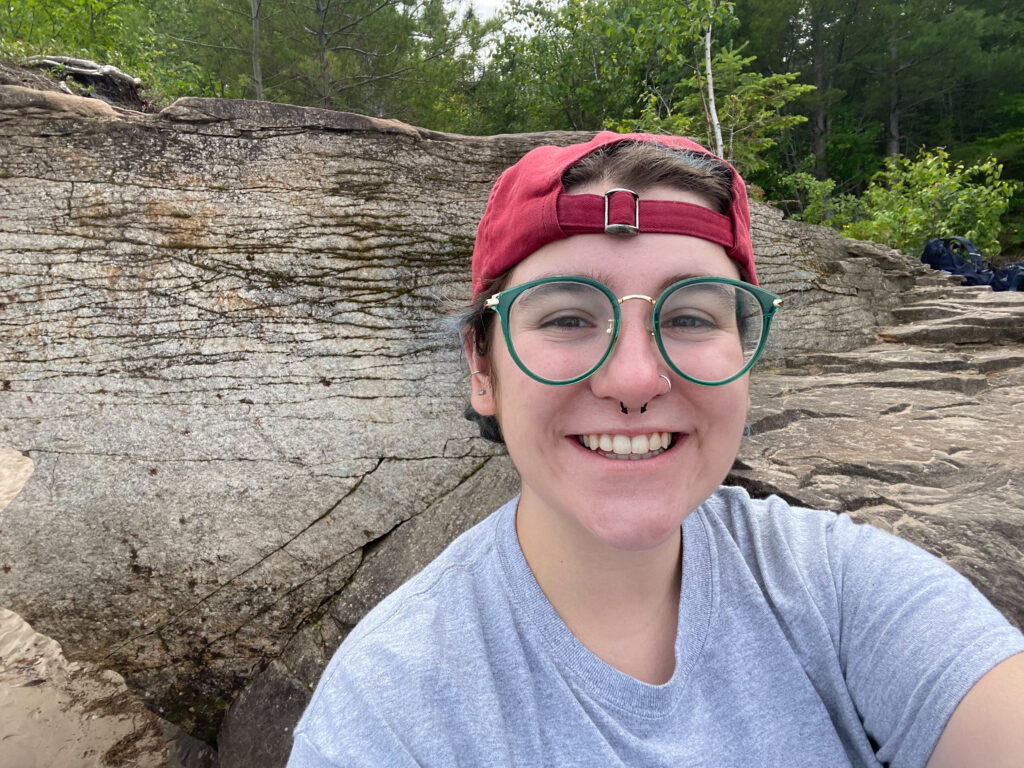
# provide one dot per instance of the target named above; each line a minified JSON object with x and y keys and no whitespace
{"x":913,"y":200}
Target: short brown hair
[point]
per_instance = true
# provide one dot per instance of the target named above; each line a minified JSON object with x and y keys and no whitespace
{"x":640,"y":165}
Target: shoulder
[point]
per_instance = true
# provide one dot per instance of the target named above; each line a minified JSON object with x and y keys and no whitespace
{"x":747,"y":519}
{"x":771,"y":534}
{"x":908,"y":634}
{"x":407,"y":649}
{"x":852,"y":571}
{"x":436,"y":600}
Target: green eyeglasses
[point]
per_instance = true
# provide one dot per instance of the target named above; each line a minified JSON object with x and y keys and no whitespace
{"x":560,"y":330}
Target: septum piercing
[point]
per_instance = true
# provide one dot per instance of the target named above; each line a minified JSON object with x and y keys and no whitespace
{"x":643,"y":408}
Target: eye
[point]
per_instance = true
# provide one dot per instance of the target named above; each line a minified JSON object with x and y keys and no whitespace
{"x":690,"y":321}
{"x":566,"y":321}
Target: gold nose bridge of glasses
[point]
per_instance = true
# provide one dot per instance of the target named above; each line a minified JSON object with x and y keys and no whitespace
{"x":648,"y":299}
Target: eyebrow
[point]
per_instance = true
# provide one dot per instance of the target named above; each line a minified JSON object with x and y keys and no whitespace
{"x":603,"y":278}
{"x":569,"y":288}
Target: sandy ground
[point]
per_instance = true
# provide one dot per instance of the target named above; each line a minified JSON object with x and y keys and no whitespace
{"x":60,"y":714}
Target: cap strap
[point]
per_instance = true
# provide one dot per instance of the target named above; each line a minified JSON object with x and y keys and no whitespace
{"x":618,"y":210}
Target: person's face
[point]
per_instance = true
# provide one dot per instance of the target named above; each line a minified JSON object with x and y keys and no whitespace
{"x":627,"y":504}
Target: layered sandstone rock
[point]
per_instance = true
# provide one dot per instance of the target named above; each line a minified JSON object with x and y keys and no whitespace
{"x":224,"y":350}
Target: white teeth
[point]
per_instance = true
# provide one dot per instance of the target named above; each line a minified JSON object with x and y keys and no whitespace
{"x":625,"y":446}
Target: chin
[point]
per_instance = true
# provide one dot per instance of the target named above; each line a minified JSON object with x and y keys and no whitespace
{"x":636,"y":532}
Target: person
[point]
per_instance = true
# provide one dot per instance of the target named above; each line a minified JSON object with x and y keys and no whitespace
{"x":625,"y":609}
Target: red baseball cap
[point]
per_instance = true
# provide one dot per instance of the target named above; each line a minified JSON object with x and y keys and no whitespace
{"x":528,"y":208}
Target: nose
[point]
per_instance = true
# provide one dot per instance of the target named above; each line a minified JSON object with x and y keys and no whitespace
{"x":632,"y":373}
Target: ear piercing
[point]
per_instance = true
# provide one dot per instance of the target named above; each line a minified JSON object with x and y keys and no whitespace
{"x":481,"y":391}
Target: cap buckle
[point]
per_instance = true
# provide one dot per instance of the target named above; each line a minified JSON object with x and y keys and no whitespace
{"x":622,"y":230}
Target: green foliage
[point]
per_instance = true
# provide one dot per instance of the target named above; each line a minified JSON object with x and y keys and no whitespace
{"x":396,"y":58}
{"x":913,"y":200}
{"x":119,"y":32}
{"x":750,"y":108}
{"x":891,"y":75}
{"x":438,"y":88}
{"x":579,"y":63}
{"x":401,"y":59}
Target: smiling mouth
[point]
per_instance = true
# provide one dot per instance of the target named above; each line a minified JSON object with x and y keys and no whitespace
{"x":634,"y":448}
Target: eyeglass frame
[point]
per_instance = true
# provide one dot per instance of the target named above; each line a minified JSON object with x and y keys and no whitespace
{"x":502,"y":301}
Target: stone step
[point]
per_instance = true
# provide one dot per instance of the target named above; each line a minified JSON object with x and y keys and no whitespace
{"x":920,"y":307}
{"x":967,"y":315}
{"x":887,"y":357}
{"x":960,"y":331}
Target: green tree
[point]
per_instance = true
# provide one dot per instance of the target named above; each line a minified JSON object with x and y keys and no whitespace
{"x":440,"y":90}
{"x":577,"y":64}
{"x":889,"y":76}
{"x":129,"y":34}
{"x":394,"y":58}
{"x":913,"y":200}
{"x":750,"y":110}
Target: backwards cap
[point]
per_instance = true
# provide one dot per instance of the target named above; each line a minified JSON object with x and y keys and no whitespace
{"x":528,"y":208}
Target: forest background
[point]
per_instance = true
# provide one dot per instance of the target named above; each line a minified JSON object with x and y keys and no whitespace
{"x":891,"y":120}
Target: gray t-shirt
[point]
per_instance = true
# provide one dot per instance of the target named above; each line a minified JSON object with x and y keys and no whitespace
{"x":804,"y":640}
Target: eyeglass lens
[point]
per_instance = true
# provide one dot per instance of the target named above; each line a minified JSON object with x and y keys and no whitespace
{"x":562,"y":330}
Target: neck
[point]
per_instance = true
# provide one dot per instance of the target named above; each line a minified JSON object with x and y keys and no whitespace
{"x":622,"y":605}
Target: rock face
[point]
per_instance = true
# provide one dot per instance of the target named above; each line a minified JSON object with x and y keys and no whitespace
{"x":224,"y":350}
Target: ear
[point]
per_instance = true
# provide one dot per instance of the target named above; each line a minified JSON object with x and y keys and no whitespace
{"x":481,"y":395}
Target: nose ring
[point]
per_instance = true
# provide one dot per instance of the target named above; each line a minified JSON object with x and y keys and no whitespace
{"x":643,"y":408}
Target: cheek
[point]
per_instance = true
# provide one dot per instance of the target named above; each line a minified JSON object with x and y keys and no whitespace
{"x":724,"y":409}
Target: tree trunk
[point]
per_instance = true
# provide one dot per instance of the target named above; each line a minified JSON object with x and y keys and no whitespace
{"x":257,"y":72}
{"x":892,"y":143}
{"x":819,"y":124}
{"x":324,"y":84}
{"x":716,"y":125}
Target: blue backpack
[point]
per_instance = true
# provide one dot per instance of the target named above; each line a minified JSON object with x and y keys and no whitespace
{"x":959,"y":256}
{"x":1009,"y":278}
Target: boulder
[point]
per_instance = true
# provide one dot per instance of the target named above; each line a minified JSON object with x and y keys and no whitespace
{"x":228,"y":356}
